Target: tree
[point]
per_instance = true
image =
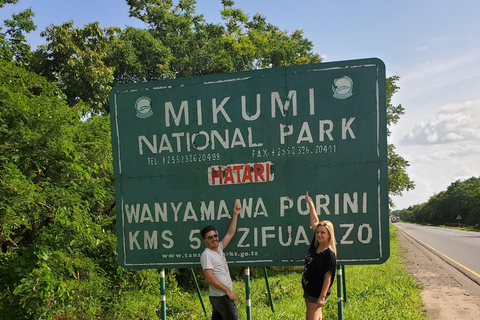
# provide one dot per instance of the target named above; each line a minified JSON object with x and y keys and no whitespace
{"x":461,"y":198}
{"x":55,"y":189}
{"x":398,"y":179}
{"x":200,"y":48}
{"x":196,"y":47}
{"x":138,"y":57}
{"x":57,"y":226}
{"x":86,"y":62}
{"x":74,"y":59}
{"x":4,"y":2}
{"x":13,"y":45}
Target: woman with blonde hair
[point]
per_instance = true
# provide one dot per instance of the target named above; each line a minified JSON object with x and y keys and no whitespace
{"x":320,"y":264}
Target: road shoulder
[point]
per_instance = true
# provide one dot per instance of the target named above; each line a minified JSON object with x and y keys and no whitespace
{"x":447,"y":294}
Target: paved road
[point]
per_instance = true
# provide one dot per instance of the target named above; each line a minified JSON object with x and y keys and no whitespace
{"x":460,"y":248}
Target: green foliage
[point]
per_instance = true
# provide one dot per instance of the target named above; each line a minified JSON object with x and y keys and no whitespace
{"x":462,"y":198}
{"x":86,"y":62}
{"x":46,"y":197}
{"x":138,"y":57}
{"x":201,"y":48}
{"x":398,"y":179}
{"x":4,"y":2}
{"x":13,"y":45}
{"x":73,"y":58}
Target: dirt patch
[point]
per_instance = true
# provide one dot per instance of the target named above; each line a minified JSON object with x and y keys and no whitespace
{"x":447,"y":294}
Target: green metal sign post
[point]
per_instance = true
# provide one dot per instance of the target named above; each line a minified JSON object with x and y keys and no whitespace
{"x":185,"y":149}
{"x":267,"y":284}
{"x":248,"y":299}
{"x":340,"y":291}
{"x":163,"y":294}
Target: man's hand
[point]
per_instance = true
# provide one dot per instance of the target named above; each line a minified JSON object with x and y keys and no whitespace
{"x":231,"y":295}
{"x":233,"y":224}
{"x":237,"y":208}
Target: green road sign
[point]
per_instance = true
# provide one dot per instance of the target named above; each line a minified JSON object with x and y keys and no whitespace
{"x":185,"y":149}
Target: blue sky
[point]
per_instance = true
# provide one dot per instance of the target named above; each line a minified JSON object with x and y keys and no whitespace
{"x":432,"y":45}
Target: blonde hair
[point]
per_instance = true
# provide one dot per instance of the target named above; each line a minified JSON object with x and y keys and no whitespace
{"x":331,"y":231}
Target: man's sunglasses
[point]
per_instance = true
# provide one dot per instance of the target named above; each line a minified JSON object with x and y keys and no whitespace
{"x":215,"y":236}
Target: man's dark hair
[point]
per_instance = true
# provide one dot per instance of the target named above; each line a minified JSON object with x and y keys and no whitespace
{"x":206,"y":230}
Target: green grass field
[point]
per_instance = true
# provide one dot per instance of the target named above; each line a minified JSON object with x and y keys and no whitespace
{"x":383,"y":291}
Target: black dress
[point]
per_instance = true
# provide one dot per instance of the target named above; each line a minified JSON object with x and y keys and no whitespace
{"x":316,"y":265}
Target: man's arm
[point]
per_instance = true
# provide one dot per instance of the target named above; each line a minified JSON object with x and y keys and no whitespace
{"x":213,"y":281}
{"x":233,"y":225}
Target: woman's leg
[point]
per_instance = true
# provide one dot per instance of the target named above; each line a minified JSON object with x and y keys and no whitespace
{"x":313,"y":313}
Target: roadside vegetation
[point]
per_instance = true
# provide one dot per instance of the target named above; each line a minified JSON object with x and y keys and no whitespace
{"x":458,"y":206}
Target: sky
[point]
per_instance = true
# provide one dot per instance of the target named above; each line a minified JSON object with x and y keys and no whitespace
{"x":432,"y":45}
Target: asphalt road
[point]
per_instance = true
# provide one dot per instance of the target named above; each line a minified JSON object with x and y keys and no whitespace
{"x":459,"y":248}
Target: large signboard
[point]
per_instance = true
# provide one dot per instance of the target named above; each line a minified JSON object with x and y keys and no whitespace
{"x":185,"y":149}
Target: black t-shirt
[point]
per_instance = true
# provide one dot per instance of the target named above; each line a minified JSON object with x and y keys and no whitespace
{"x":316,"y":265}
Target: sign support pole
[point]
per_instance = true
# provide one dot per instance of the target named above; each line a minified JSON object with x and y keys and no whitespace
{"x":340,"y":292}
{"x":268,"y":289}
{"x":344,"y":284}
{"x":162,"y":292}
{"x":248,"y":301}
{"x":198,"y":291}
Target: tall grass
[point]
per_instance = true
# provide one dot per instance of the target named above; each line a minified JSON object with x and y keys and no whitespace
{"x":383,"y":291}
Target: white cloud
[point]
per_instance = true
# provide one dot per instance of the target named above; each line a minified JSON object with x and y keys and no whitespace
{"x":453,"y":123}
{"x":441,"y":150}
{"x":434,"y":167}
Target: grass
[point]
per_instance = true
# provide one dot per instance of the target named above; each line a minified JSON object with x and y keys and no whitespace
{"x":378,"y":292}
